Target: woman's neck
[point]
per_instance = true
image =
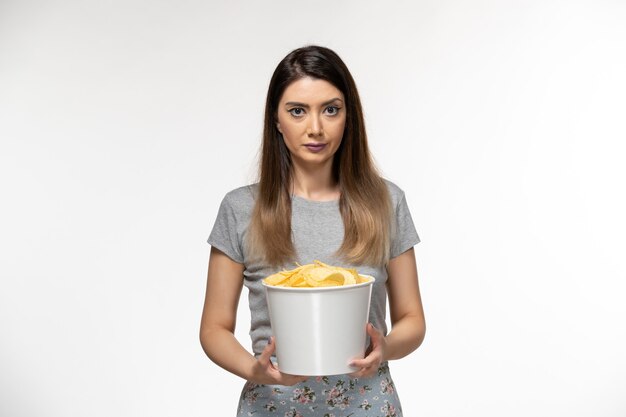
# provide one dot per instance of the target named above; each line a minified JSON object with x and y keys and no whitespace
{"x":314,"y":183}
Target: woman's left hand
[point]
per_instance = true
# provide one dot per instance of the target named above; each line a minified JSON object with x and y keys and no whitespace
{"x":375,"y":355}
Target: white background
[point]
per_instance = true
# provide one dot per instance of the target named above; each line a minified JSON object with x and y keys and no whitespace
{"x":123,"y":124}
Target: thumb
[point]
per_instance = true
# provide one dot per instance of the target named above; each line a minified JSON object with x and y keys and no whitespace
{"x":373,"y":332}
{"x":268,"y":351}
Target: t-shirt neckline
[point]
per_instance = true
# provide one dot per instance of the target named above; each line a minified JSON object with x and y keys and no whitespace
{"x":314,"y":202}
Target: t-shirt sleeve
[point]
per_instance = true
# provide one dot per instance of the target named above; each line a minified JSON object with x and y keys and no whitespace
{"x":405,"y":236}
{"x":224,"y":235}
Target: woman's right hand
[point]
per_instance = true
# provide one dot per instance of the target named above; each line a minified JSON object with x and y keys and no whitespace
{"x":265,"y":372}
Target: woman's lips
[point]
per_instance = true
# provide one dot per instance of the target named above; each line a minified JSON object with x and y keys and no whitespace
{"x":315,"y":147}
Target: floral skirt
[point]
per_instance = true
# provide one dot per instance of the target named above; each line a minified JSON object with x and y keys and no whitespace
{"x":324,"y":396}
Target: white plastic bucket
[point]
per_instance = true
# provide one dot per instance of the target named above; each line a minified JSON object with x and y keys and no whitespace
{"x":319,"y":330}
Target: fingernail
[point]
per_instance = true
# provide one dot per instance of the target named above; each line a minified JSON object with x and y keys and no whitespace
{"x":269,"y":341}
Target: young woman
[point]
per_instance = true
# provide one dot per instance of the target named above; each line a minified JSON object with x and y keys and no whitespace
{"x":319,"y":196}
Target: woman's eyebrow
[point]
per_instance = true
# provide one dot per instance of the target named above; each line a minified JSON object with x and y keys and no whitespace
{"x":295,"y":103}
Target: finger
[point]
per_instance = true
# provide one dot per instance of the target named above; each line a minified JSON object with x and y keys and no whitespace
{"x":288,"y":379}
{"x":368,"y":365}
{"x":363,"y":373}
{"x":374,"y":333}
{"x":264,"y":357}
{"x":372,"y":358}
{"x":363,"y":363}
{"x":356,"y":374}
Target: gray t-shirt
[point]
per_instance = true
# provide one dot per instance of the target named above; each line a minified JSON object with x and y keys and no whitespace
{"x":317,"y":232}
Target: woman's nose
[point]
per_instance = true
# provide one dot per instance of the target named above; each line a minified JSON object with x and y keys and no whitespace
{"x":315,"y":126}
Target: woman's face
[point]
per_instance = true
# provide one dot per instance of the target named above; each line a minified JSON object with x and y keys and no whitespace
{"x":311,"y":117}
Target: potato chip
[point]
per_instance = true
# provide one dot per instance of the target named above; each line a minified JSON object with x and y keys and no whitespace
{"x":317,"y":274}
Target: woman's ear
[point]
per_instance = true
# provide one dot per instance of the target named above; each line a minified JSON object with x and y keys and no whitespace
{"x":278,"y":127}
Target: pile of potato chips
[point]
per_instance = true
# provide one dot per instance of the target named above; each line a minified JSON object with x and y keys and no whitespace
{"x":317,"y":274}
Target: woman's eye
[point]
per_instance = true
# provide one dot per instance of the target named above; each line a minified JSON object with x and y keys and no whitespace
{"x":333,"y":110}
{"x":297,"y":112}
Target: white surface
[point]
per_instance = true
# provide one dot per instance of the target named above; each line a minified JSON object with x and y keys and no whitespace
{"x":319,"y":331}
{"x":123,"y":123}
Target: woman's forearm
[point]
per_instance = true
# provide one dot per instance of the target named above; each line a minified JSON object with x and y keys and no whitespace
{"x":405,"y":336}
{"x":223,"y":348}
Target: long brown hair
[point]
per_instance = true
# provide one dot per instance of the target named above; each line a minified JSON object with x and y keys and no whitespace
{"x":364,"y":203}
